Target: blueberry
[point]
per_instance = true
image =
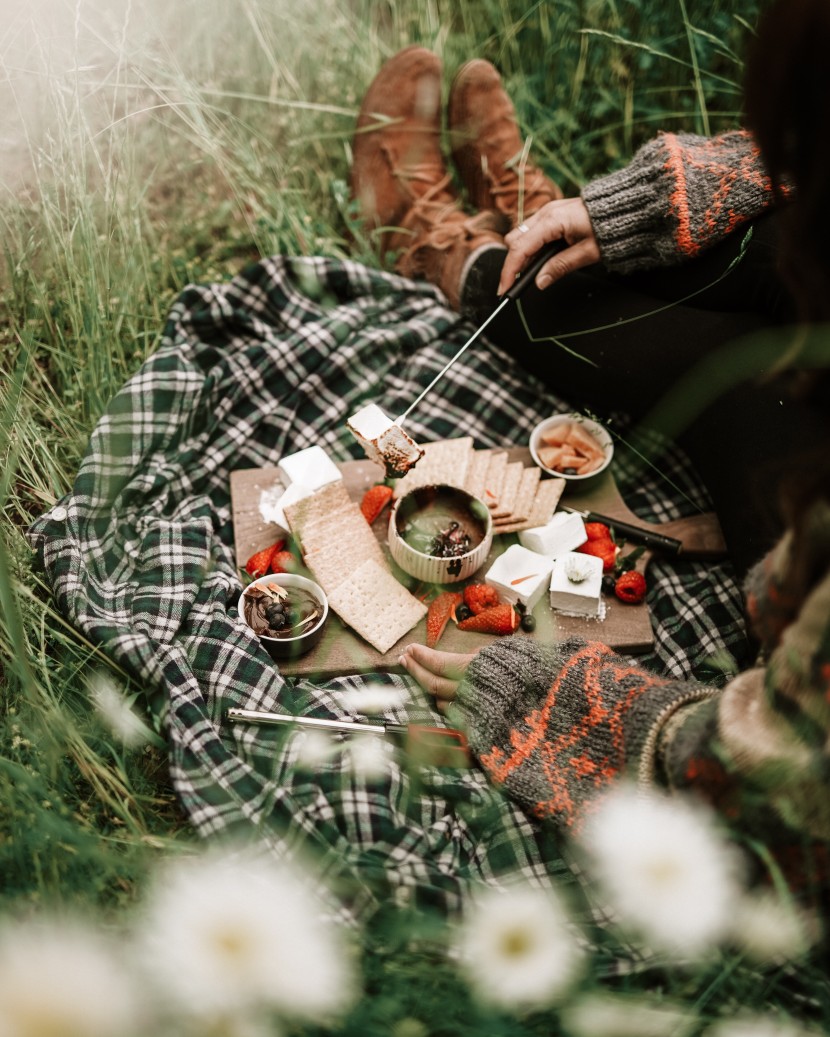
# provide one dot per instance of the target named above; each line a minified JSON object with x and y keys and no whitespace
{"x":528,"y":623}
{"x":463,"y":612}
{"x":277,"y":621}
{"x":272,"y":612}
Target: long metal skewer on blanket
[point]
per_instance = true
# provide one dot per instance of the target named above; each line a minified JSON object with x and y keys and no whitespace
{"x":513,"y":292}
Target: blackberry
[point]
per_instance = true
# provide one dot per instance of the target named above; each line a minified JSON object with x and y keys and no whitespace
{"x":528,"y":623}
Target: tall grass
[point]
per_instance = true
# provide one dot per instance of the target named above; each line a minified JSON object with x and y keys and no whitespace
{"x":150,"y":145}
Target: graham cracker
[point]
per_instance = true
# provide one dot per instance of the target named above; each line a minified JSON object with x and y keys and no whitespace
{"x":544,"y":504}
{"x":494,"y":478}
{"x":509,"y":491}
{"x":331,"y":497}
{"x":445,"y":461}
{"x":525,"y":497}
{"x":476,"y":472}
{"x":376,"y":606}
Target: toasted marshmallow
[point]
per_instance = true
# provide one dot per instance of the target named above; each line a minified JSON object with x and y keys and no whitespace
{"x":383,"y":441}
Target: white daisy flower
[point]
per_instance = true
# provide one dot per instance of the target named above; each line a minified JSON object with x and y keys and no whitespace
{"x":664,"y":868}
{"x":608,"y":1015}
{"x":516,"y":949}
{"x":236,"y":932}
{"x":373,"y":699}
{"x":53,"y":977}
{"x":769,"y":930}
{"x":116,"y":711}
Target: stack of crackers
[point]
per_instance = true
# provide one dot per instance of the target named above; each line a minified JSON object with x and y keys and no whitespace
{"x":345,"y":556}
{"x":517,"y":496}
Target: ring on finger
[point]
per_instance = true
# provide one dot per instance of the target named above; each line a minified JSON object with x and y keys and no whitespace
{"x":523,"y":228}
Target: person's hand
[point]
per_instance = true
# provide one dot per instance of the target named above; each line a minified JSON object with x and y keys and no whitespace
{"x":438,"y":673}
{"x":566,"y":219}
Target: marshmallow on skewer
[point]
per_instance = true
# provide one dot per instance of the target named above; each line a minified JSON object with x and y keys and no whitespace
{"x":384,"y":441}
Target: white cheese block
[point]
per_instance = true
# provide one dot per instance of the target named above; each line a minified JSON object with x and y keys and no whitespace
{"x":576,"y":585}
{"x":564,"y":532}
{"x":383,"y":441}
{"x":273,"y":501}
{"x":312,"y":468}
{"x":520,"y":576}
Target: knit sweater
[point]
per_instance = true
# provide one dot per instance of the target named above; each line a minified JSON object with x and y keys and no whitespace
{"x":556,"y":725}
{"x":679,"y":195}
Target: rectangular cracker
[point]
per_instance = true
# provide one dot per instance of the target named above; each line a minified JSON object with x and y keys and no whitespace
{"x":494,"y":478}
{"x":376,"y":606}
{"x":331,"y":497}
{"x":544,"y":505}
{"x":525,"y":497}
{"x":509,"y":490}
{"x":333,"y":562}
{"x":476,"y":472}
{"x":445,"y":461}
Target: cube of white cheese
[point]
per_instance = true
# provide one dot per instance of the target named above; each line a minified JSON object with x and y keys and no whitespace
{"x":384,"y":441}
{"x":312,"y":468}
{"x":519,"y":575}
{"x":564,"y":532}
{"x":576,"y":585}
{"x":273,"y":501}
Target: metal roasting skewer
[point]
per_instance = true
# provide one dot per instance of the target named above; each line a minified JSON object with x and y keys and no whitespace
{"x":525,"y":278}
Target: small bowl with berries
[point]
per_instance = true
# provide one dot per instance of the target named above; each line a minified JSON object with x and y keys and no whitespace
{"x":288,"y":613}
{"x":440,"y":534}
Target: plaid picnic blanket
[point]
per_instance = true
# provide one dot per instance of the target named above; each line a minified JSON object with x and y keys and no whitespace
{"x":139,"y":557}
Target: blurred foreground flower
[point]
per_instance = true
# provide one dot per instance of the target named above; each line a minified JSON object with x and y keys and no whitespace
{"x":516,"y":948}
{"x":116,"y":712}
{"x":664,"y":869}
{"x":225,"y":932}
{"x":373,"y":699}
{"x":771,"y":930}
{"x":608,"y":1015}
{"x":757,"y":1026}
{"x":62,"y":979}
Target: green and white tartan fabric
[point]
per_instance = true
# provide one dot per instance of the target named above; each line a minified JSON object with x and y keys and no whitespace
{"x":139,"y":557}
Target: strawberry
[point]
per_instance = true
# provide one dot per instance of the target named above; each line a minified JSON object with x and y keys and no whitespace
{"x":260,"y":563}
{"x":597,"y":531}
{"x":501,"y":619}
{"x":604,"y":549}
{"x":480,"y":596}
{"x":439,"y":614}
{"x":630,"y":587}
{"x":284,"y":562}
{"x":374,"y":501}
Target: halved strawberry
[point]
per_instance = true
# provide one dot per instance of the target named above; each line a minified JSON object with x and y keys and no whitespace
{"x":374,"y":501}
{"x":438,"y":615}
{"x":501,"y":619}
{"x":597,"y":531}
{"x":260,"y":562}
{"x":604,"y":549}
{"x":480,"y":596}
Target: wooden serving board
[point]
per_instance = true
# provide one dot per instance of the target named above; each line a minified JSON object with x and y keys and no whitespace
{"x":626,"y":628}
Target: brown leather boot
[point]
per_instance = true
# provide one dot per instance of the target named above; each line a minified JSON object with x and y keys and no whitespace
{"x":487,"y":147}
{"x":401,"y":183}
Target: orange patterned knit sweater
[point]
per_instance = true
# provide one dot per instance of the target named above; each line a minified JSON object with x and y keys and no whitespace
{"x":555,"y":725}
{"x":679,"y":195}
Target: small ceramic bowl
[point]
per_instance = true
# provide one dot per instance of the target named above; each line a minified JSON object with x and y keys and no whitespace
{"x":540,"y":451}
{"x":424,"y":518}
{"x":291,"y":647}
